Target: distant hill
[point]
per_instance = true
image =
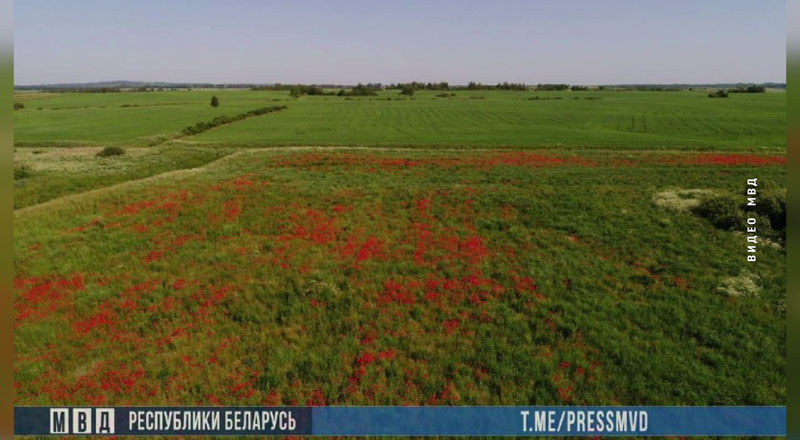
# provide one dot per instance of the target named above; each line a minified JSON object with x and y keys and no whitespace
{"x":121,"y":84}
{"x":127,"y":85}
{"x":772,"y":85}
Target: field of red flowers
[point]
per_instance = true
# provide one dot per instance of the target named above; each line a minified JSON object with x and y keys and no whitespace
{"x":409,"y":278}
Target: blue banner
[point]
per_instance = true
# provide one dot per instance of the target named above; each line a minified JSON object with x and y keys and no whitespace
{"x":405,"y":421}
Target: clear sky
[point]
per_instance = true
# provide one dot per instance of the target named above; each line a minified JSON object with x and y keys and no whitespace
{"x":349,"y":41}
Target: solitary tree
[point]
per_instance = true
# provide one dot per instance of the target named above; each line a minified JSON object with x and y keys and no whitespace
{"x":407,"y":90}
{"x":214,"y":101}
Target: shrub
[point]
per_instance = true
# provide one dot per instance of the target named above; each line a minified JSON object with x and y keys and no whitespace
{"x":300,"y":90}
{"x":407,"y":90}
{"x":723,"y":212}
{"x":19,"y":106}
{"x":360,"y":90}
{"x":731,"y":213}
{"x":111,"y":151}
{"x":22,"y":171}
{"x":718,"y":94}
{"x":214,"y":101}
{"x":220,"y":120}
{"x":772,"y":205}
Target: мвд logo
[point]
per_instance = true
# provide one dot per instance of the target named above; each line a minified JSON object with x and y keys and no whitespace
{"x":82,"y":421}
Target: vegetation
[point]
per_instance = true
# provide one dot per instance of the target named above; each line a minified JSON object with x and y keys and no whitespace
{"x":359,"y":90}
{"x":407,"y":90}
{"x":552,"y":86}
{"x":66,"y":171}
{"x":300,"y":90}
{"x":731,"y":212}
{"x":630,"y":119}
{"x":222,"y":120}
{"x":415,"y":85}
{"x":718,"y":94}
{"x":22,"y":171}
{"x":472,"y":85}
{"x":400,"y":278}
{"x":748,"y":89}
{"x":111,"y":151}
{"x":310,"y":89}
{"x":511,"y":86}
{"x":214,"y":101}
{"x":544,"y":266}
{"x":18,"y":105}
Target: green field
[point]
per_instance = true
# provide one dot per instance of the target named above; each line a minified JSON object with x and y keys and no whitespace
{"x":426,"y":251}
{"x":470,"y":119}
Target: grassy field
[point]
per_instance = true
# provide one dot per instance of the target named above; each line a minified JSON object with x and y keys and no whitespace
{"x":56,"y":172}
{"x":487,"y":248}
{"x":369,"y":277}
{"x":592,"y":119}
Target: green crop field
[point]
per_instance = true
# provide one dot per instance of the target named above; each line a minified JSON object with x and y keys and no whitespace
{"x":590,"y":119}
{"x":487,"y":248}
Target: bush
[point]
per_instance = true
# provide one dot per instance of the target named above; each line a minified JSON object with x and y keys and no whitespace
{"x":772,"y":205}
{"x":723,"y":212}
{"x":731,"y":213}
{"x":111,"y":151}
{"x":22,"y":171}
{"x":19,"y":106}
{"x":214,"y":101}
{"x":300,"y":90}
{"x":718,"y":94}
{"x":407,"y":90}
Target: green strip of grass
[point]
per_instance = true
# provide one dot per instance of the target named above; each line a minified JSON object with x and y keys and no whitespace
{"x":55,"y":172}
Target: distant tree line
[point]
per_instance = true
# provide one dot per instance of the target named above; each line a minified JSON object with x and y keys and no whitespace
{"x":511,"y":86}
{"x":300,"y":90}
{"x":473,"y":85}
{"x":416,"y":85}
{"x":360,"y":90}
{"x":655,"y":88}
{"x":552,"y":86}
{"x":722,"y":93}
{"x":748,"y":89}
{"x":140,"y":86}
{"x":104,"y":89}
{"x":86,"y":90}
{"x":282,"y":87}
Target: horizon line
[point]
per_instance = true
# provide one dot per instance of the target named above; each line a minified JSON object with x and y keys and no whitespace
{"x":382,"y":84}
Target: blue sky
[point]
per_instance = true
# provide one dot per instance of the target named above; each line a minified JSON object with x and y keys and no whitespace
{"x":570,"y":41}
